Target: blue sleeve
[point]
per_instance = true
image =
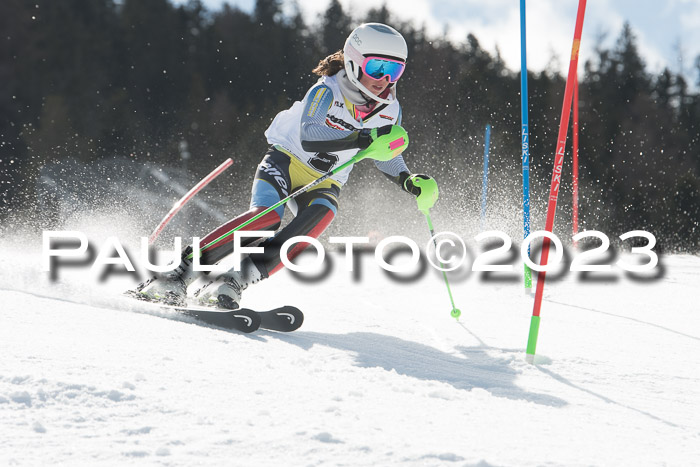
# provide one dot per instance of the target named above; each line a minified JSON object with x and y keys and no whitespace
{"x":396,"y":166}
{"x":393,"y":167}
{"x":316,"y":136}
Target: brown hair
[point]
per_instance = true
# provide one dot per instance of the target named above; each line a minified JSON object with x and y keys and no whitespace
{"x":330,"y":65}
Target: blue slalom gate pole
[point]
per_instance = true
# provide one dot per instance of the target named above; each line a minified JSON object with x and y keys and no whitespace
{"x":485,"y":183}
{"x":525,"y":139}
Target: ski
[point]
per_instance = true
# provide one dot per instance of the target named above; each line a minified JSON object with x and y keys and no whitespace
{"x":244,"y":320}
{"x":282,"y":319}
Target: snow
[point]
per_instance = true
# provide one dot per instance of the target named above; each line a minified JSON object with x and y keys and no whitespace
{"x":379,"y":374}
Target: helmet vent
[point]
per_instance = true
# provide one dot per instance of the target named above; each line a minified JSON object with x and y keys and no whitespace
{"x":383,"y":29}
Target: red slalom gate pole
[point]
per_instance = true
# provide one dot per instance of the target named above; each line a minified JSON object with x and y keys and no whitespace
{"x":188,"y":196}
{"x":556,"y":181}
{"x":574,"y":214}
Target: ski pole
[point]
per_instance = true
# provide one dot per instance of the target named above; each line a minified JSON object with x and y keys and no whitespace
{"x":281,"y":202}
{"x":455,"y":313}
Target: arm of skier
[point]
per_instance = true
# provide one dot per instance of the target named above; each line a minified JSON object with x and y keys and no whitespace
{"x":316,"y":136}
{"x":423,"y":187}
{"x":395,"y":169}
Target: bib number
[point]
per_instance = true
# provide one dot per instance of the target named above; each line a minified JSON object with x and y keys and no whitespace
{"x":323,"y":162}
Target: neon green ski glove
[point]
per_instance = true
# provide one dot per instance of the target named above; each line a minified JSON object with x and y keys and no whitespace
{"x":383,"y":143}
{"x":425,"y":188}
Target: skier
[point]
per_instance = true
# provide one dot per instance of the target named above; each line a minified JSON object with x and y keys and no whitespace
{"x":353,"y":107}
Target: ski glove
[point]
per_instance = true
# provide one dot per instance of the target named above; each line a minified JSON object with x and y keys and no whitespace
{"x":383,"y":143}
{"x":425,"y":188}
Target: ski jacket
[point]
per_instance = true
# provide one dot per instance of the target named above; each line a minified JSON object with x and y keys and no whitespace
{"x":322,"y":129}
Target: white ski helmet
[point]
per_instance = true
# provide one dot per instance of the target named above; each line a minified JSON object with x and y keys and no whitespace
{"x":372,"y":39}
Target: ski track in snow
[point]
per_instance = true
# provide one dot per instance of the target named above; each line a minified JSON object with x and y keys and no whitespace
{"x":379,"y":374}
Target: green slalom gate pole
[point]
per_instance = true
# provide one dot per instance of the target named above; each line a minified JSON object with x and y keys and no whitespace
{"x":300,"y":191}
{"x":455,"y":313}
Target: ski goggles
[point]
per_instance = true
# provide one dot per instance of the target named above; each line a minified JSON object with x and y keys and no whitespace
{"x":379,"y":67}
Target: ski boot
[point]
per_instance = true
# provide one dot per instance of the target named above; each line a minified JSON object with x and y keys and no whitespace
{"x":226,"y":290}
{"x":169,"y":287}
